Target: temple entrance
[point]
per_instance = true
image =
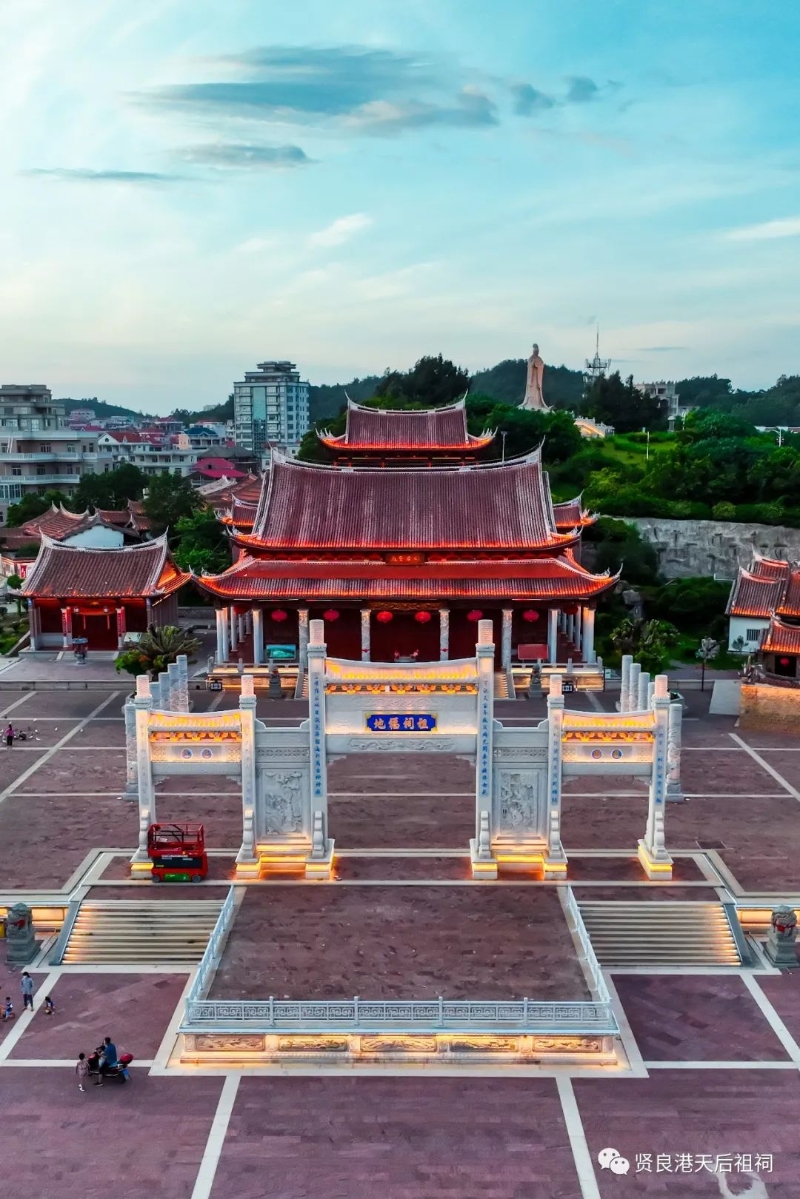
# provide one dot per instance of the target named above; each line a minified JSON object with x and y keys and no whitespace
{"x":406,"y":636}
{"x":100,"y":630}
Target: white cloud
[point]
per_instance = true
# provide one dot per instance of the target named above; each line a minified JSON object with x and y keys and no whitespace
{"x":340,"y":230}
{"x":767,"y":230}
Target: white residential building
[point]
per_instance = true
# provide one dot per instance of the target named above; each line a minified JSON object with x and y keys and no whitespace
{"x":151,"y":458}
{"x":33,"y":463}
{"x":270,"y":407}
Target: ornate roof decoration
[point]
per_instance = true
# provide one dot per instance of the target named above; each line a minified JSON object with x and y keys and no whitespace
{"x":492,"y":506}
{"x":780,"y":638}
{"x":406,"y":431}
{"x":141,"y":571}
{"x":769,"y":587}
{"x":571,"y":514}
{"x":530,"y":579}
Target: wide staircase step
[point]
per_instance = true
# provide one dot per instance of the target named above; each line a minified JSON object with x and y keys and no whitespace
{"x":501,"y":690}
{"x":662,"y":933}
{"x":141,"y":932}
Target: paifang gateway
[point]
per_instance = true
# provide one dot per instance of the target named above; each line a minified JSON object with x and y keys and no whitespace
{"x":401,"y":545}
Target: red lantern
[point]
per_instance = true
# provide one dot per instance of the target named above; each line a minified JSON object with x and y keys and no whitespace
{"x":279,"y":615}
{"x":384,"y":617}
{"x":530,"y":615}
{"x":570,"y":610}
{"x":330,"y":614}
{"x":475,"y":614}
{"x":422,"y":617}
{"x":784,"y":661}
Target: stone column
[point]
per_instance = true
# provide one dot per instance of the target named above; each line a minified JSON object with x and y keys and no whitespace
{"x":164,"y":691}
{"x":505,"y":639}
{"x":121,"y":626}
{"x":142,"y":705}
{"x":66,"y":626}
{"x":571,"y":628}
{"x":322,"y":846}
{"x":633,"y":686}
{"x":625,"y":683}
{"x":555,"y":863}
{"x":234,"y":625}
{"x":643,"y":694}
{"x":366,"y":645}
{"x":247,"y":858}
{"x":552,"y":636}
{"x":248,"y":621}
{"x":652,"y":848}
{"x":131,"y":761}
{"x":174,"y":687}
{"x":258,"y":636}
{"x":444,"y":634}
{"x":588,"y":635}
{"x":674,"y":728}
{"x":222,"y":636}
{"x":182,"y":662}
{"x":579,"y":629}
{"x":33,"y":623}
{"x":302,"y":638}
{"x":480,"y":848}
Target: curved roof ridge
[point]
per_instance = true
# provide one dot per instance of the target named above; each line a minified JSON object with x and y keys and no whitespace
{"x":455,"y":406}
{"x":453,"y":468}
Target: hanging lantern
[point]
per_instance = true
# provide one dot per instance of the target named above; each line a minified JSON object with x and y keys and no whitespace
{"x":475,"y":614}
{"x":422,"y":617}
{"x":384,"y":617}
{"x":530,"y":614}
{"x":279,"y":615}
{"x":570,"y":610}
{"x":784,"y":661}
{"x":330,"y":614}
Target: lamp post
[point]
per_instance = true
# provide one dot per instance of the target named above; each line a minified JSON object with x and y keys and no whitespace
{"x":504,"y":435}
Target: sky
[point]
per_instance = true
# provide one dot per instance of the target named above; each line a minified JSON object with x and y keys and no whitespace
{"x":189,"y":187}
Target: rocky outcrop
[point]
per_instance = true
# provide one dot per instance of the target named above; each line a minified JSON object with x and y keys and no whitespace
{"x":713,"y":547}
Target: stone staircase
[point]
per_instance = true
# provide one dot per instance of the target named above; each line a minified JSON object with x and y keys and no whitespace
{"x":660,"y":933}
{"x":502,"y":685}
{"x":141,"y":931}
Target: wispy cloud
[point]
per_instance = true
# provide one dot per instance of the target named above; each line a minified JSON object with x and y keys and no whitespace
{"x":766,"y":230}
{"x":248,"y":157}
{"x":661,"y":349}
{"x":582,"y":90}
{"x":84,"y":175}
{"x":529,"y":100}
{"x":340,"y":230}
{"x":356,"y":89}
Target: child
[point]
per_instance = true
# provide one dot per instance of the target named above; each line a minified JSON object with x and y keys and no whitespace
{"x":8,"y":1010}
{"x":81,"y":1069}
{"x":49,"y":1006}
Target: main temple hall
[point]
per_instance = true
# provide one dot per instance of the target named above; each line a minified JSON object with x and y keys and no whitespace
{"x":401,"y":544}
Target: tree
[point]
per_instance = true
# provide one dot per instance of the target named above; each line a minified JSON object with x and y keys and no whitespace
{"x":431,"y":382}
{"x":649,"y":641}
{"x":707,"y":651}
{"x":31,"y":506}
{"x":201,"y":543}
{"x":110,"y":490}
{"x":622,"y":405}
{"x":15,"y":583}
{"x":157,"y":649}
{"x":524,"y":429}
{"x":617,"y":544}
{"x":169,"y":497}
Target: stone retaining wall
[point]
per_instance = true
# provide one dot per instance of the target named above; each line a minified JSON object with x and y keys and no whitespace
{"x":713,"y":547}
{"x":769,"y":709}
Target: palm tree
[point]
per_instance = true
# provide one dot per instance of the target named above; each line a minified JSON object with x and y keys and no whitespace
{"x":158,"y":647}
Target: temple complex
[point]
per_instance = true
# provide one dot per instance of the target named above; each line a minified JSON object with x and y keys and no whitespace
{"x":764,"y":614}
{"x":401,"y":546}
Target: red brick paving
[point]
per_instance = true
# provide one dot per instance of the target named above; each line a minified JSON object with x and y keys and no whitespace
{"x":694,"y":1112}
{"x":649,"y":893}
{"x":138,"y":1141}
{"x":783,"y":992}
{"x":697,"y":1018}
{"x":399,"y":942}
{"x":102,"y":770}
{"x":219,"y":868}
{"x":10,"y":985}
{"x":609,"y":869}
{"x":387,"y":869}
{"x":397,"y":1138}
{"x":421,"y":822}
{"x":133,"y":1009}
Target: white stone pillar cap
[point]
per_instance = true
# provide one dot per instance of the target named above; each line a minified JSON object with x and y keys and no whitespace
{"x":142,"y":686}
{"x":485,"y":632}
{"x":661,"y":688}
{"x":247,"y":691}
{"x":316,"y":629}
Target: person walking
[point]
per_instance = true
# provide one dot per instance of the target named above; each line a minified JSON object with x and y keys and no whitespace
{"x":26,"y":982}
{"x":9,"y":735}
{"x":82,"y":1070}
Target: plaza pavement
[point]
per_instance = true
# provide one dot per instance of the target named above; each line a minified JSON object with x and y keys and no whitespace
{"x":715,"y":1054}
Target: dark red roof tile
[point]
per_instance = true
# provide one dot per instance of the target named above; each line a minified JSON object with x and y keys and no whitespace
{"x":402,"y":430}
{"x":63,"y":571}
{"x":781,"y":638}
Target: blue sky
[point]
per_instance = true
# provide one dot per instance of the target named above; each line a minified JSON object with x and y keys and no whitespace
{"x":190,"y":186}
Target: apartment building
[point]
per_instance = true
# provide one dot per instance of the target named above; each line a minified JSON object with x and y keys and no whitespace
{"x":270,"y":407}
{"x":33,"y":463}
{"x":152,"y":454}
{"x":29,"y":408}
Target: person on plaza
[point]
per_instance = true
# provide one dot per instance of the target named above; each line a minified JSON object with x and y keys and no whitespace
{"x":49,"y":1006}
{"x":26,"y":982}
{"x":82,"y":1070}
{"x":9,"y":735}
{"x":8,"y":1009}
{"x":108,"y":1058}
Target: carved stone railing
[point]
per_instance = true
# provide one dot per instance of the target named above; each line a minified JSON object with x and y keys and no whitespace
{"x":576,"y":925}
{"x":213,"y":952}
{"x":396,"y":1015}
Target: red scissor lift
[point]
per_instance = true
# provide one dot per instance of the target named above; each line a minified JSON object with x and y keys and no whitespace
{"x":178,"y":852}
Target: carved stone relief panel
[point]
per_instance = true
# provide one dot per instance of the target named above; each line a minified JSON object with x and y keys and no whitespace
{"x":282,"y":803}
{"x":520,"y":803}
